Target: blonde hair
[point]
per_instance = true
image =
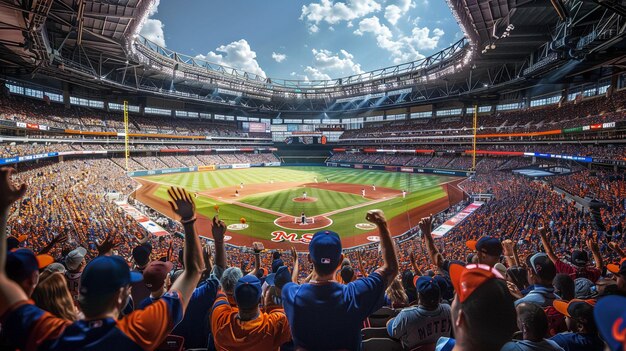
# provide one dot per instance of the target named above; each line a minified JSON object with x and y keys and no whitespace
{"x":52,"y":295}
{"x":396,"y":294}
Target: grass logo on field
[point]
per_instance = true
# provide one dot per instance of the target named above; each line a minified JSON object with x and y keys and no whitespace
{"x":365,"y":226}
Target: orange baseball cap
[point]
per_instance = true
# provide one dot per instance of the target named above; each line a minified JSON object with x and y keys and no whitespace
{"x":573,"y":308}
{"x":44,"y":261}
{"x":469,"y":278}
{"x":471,"y":244}
{"x":619,"y":268}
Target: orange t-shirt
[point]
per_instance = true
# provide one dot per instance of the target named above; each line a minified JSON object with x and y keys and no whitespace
{"x":267,"y":332}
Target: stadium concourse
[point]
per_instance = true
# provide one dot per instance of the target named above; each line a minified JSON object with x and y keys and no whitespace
{"x":469,"y":197}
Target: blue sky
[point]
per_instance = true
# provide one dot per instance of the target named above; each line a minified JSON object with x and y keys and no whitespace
{"x":292,"y":39}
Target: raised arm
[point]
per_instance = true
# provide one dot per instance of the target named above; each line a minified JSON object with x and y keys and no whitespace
{"x":543,"y":232}
{"x":615,"y":247}
{"x":206,"y":254}
{"x":104,"y":248}
{"x":10,"y":292}
{"x":508,"y":248}
{"x":389,"y":270}
{"x":595,"y":251}
{"x":257,"y":262}
{"x":61,"y":238}
{"x":426,"y":226}
{"x":295,"y":272}
{"x":361,"y":265}
{"x":416,"y":269}
{"x":218,"y":238}
{"x":182,"y":204}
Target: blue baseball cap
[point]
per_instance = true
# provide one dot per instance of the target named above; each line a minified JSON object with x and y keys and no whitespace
{"x":280,"y":278}
{"x":22,"y":263}
{"x":610,"y":316}
{"x":445,"y":285}
{"x":325,"y":248}
{"x":105,"y":275}
{"x":487,"y":244}
{"x":428,"y":288}
{"x":277,"y":263}
{"x":248,"y":292}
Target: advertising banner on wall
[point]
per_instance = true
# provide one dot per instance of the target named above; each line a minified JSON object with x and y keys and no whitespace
{"x":456,"y":219}
{"x":143,"y":220}
{"x":206,"y":168}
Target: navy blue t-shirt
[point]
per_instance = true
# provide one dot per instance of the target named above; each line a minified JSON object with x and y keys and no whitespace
{"x":196,"y":324}
{"x":578,"y":342}
{"x":330,"y":316}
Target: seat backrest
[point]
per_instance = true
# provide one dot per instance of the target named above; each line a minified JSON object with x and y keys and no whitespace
{"x":425,"y":347}
{"x":384,"y":312}
{"x":381,"y":344}
{"x":172,"y":343}
{"x":368,"y":333}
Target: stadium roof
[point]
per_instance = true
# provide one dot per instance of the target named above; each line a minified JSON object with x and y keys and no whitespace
{"x":94,"y":44}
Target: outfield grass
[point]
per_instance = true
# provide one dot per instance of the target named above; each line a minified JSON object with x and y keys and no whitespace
{"x":422,"y":190}
{"x":198,"y":181}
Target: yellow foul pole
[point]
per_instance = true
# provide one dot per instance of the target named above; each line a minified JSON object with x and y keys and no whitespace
{"x":126,"y":150}
{"x":474,"y":139}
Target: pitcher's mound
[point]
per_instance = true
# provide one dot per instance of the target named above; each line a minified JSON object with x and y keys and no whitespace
{"x":301,"y":199}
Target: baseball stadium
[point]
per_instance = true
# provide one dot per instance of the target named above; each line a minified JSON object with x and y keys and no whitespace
{"x":317,"y":175}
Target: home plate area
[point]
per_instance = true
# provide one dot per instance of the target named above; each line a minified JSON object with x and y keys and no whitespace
{"x":295,"y":223}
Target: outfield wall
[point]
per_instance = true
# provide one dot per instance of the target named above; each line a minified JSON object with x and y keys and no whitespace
{"x":458,"y":173}
{"x":201,"y":168}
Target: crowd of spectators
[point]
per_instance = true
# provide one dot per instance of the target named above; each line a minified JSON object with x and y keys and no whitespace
{"x":556,"y":116}
{"x":527,"y":270}
{"x":19,"y":109}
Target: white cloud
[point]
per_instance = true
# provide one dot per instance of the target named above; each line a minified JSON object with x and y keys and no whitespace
{"x":402,"y":48}
{"x":312,"y":73}
{"x":153,"y":30}
{"x":394,"y":12}
{"x":313,"y":28}
{"x":237,"y":54}
{"x":278,"y":57}
{"x":328,"y":65}
{"x":335,"y":12}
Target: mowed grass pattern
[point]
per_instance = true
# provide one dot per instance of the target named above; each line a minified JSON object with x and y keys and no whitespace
{"x":326,"y":201}
{"x":198,"y":181}
{"x":422,"y":190}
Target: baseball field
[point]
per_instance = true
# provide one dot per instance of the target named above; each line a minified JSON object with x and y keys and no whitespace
{"x":282,"y":206}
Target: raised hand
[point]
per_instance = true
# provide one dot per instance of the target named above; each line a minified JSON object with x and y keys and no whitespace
{"x":426,"y":225}
{"x":508,"y":247}
{"x":294,"y":254}
{"x":61,"y":238}
{"x":218,"y":229}
{"x":182,"y":204}
{"x":592,"y":245}
{"x":107,"y":245}
{"x":544,"y":229}
{"x":9,"y":193}
{"x":376,"y":217}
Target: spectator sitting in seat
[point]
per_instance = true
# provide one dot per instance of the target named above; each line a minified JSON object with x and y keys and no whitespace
{"x":533,"y":323}
{"x":425,"y":323}
{"x":583,"y":333}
